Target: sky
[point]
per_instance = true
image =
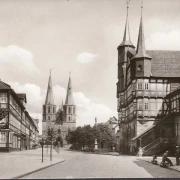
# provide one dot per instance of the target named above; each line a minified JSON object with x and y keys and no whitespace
{"x":80,"y":36}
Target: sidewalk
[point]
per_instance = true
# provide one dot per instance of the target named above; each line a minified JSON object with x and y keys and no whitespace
{"x":16,"y":164}
{"x":159,"y":159}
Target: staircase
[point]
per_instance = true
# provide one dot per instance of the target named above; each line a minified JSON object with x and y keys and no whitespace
{"x":157,"y":146}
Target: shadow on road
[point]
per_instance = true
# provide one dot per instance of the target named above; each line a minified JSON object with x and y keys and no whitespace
{"x":156,"y":171}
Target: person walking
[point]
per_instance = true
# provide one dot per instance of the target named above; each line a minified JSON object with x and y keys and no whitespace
{"x":177,"y":154}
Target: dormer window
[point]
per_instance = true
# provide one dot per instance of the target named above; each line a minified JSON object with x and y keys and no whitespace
{"x":139,"y":68}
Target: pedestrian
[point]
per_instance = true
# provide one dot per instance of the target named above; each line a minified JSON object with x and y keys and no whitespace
{"x":177,"y":154}
{"x":166,"y":159}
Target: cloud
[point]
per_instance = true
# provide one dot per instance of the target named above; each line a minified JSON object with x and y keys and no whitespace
{"x":164,"y":41}
{"x":33,"y":94}
{"x":17,"y":59}
{"x":86,"y":57}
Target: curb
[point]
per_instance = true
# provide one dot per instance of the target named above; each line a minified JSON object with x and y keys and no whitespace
{"x":170,"y":168}
{"x":31,"y":172}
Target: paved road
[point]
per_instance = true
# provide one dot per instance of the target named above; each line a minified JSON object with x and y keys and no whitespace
{"x":82,"y":165}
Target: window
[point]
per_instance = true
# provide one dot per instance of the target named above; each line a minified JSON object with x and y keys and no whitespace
{"x":49,"y":109}
{"x":69,"y":110}
{"x":146,"y":86}
{"x":44,"y":110}
{"x":74,"y":110}
{"x":49,"y":118}
{"x":140,"y":106}
{"x":146,"y":106}
{"x":139,"y":68}
{"x":69,"y":118}
{"x":139,"y":85}
{"x":54,"y":109}
{"x":3,"y":98}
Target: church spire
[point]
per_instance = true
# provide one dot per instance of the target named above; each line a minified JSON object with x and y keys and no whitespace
{"x":126,"y":39}
{"x":69,"y":95}
{"x":49,"y":95}
{"x":141,"y":51}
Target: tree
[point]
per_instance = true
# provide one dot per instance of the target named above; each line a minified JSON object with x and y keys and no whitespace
{"x":104,"y":136}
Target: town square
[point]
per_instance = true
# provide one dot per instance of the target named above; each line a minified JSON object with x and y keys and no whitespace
{"x":89,"y":89}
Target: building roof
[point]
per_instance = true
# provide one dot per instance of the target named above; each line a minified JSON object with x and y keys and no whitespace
{"x":141,"y":50}
{"x":69,"y":95}
{"x":126,"y":39}
{"x":4,"y":85}
{"x":22,"y":96}
{"x":49,"y":95}
{"x":163,"y":63}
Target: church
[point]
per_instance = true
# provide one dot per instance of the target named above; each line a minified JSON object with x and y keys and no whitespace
{"x":148,"y":96}
{"x":62,"y":119}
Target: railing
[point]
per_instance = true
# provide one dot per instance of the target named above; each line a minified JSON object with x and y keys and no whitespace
{"x":152,"y":144}
{"x":157,"y":142}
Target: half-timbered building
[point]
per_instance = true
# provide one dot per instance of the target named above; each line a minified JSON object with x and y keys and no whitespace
{"x":146,"y":78}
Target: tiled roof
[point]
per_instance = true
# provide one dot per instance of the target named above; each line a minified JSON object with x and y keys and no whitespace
{"x":4,"y":85}
{"x":165,"y":63}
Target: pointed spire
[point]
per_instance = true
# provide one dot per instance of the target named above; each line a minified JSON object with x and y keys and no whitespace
{"x":49,"y":95}
{"x":141,"y":50}
{"x":69,"y":95}
{"x":126,"y":38}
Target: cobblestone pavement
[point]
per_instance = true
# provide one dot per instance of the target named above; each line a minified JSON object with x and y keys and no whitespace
{"x":85,"y":165}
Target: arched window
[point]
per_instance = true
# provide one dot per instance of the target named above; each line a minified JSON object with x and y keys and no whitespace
{"x":49,"y":109}
{"x":69,"y":110}
{"x":139,"y":68}
{"x":69,"y":118}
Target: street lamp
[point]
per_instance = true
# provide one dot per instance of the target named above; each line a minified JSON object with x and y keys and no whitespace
{"x":96,"y":144}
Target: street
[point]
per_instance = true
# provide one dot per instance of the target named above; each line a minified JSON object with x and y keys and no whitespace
{"x":86,"y":165}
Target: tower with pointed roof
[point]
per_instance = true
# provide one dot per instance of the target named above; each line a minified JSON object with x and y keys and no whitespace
{"x":49,"y":108}
{"x":141,"y":59}
{"x":123,"y":48}
{"x":69,"y":106}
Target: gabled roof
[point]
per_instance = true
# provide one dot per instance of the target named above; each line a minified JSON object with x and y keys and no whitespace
{"x":4,"y":85}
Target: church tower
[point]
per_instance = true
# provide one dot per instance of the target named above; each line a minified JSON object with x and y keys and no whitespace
{"x":49,"y":109}
{"x":122,"y":56}
{"x":141,"y":58}
{"x":69,"y":107}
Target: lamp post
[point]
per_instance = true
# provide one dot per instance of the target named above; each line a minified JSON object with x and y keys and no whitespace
{"x":119,"y":121}
{"x":96,"y":144}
